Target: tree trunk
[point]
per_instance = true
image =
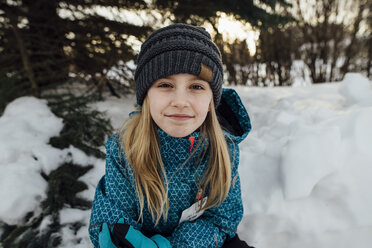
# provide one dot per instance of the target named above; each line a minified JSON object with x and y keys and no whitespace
{"x":369,"y":63}
{"x":349,"y":50}
{"x":25,"y":57}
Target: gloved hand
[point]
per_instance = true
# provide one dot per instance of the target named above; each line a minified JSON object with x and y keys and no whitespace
{"x":161,"y":241}
{"x":104,"y":237}
{"x":125,"y":235}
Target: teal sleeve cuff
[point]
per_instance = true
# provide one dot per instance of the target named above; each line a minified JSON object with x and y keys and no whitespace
{"x":130,"y":236}
{"x":104,"y":237}
{"x":161,"y":241}
{"x":138,"y":240}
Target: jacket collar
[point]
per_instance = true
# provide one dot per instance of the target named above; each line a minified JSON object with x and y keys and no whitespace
{"x":177,"y":146}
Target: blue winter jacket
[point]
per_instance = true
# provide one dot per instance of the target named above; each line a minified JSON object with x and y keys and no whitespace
{"x":116,"y":198}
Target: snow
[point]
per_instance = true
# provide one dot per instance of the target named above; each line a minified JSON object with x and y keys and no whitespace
{"x":300,"y":74}
{"x":25,"y":128}
{"x":310,"y":154}
{"x":356,"y":89}
{"x":306,"y":166}
{"x":71,"y":215}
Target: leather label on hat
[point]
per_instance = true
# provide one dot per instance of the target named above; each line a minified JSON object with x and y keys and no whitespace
{"x":205,"y":73}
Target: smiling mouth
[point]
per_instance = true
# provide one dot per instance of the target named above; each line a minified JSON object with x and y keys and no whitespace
{"x":180,"y":117}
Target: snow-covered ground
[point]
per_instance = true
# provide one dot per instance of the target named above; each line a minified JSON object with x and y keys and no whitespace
{"x":306,"y":166}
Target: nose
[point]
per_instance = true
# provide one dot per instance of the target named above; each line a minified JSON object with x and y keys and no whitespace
{"x":180,"y":99}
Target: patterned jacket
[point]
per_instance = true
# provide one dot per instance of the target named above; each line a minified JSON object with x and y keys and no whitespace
{"x":116,"y":198}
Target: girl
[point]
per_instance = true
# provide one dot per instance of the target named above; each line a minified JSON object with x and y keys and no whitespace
{"x":172,"y":171}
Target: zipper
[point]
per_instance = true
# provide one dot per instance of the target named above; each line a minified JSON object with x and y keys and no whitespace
{"x":192,"y":139}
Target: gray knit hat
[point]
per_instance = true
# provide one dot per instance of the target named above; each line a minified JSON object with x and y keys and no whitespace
{"x":178,"y":48}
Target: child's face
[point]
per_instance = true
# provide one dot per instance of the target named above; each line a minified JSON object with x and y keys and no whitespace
{"x":179,"y":103}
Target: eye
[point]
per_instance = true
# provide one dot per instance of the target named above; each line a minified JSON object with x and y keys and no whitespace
{"x":197,"y":87}
{"x":164,"y":85}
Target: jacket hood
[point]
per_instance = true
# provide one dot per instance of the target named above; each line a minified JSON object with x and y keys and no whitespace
{"x":233,"y":116}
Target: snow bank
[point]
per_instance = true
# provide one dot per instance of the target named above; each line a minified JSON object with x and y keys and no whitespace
{"x":306,"y":167}
{"x":310,"y":154}
{"x":356,"y":89}
{"x":25,"y":128}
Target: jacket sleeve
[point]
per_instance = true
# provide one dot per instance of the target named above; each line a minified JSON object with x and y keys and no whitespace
{"x":216,"y":224}
{"x":115,"y":195}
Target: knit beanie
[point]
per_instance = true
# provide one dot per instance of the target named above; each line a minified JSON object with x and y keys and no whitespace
{"x":178,"y":48}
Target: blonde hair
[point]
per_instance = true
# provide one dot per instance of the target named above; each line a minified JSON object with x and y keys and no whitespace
{"x":139,"y":139}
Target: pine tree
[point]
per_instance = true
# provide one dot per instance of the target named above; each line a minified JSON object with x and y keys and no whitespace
{"x":261,"y":15}
{"x":42,"y":42}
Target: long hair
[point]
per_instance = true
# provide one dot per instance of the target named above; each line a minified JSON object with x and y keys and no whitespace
{"x":140,"y":141}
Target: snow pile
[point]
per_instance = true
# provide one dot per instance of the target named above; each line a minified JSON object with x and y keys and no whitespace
{"x":356,"y":89}
{"x":310,"y":154}
{"x":25,"y":128}
{"x":306,"y":167}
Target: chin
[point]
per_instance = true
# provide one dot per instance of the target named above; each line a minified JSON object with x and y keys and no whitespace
{"x":177,"y":133}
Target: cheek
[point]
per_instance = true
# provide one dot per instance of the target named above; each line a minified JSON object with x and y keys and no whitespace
{"x":204,"y":107}
{"x":152,"y":109}
{"x":155,"y":110}
{"x":154,"y":103}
